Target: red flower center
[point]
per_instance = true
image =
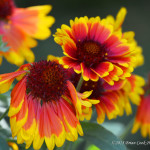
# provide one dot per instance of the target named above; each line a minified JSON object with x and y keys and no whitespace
{"x":47,"y":80}
{"x":90,"y":52}
{"x":6,"y":9}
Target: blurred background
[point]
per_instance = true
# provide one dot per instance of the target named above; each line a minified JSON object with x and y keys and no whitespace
{"x":137,"y":20}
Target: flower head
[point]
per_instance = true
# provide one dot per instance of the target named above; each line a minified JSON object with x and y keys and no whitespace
{"x":94,"y":48}
{"x":113,"y":100}
{"x":44,"y":104}
{"x":142,"y":119}
{"x":19,"y":27}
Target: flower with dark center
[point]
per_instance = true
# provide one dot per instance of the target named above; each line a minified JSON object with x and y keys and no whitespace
{"x":114,"y":100}
{"x":91,"y":53}
{"x":6,"y":9}
{"x":47,"y":80}
{"x":96,"y":48}
{"x":44,"y":104}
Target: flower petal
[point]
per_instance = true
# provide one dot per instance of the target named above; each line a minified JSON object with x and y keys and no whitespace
{"x":72,"y":64}
{"x":7,"y":79}
{"x":80,"y":29}
{"x":57,"y":128}
{"x":88,"y":73}
{"x":103,"y":69}
{"x":74,"y":96}
{"x":18,"y":120}
{"x":71,"y":123}
{"x":17,"y":97}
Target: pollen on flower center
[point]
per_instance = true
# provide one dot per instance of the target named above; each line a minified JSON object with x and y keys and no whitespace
{"x":91,"y":47}
{"x":6,"y":9}
{"x":47,"y":80}
{"x":95,"y":86}
{"x":90,"y":52}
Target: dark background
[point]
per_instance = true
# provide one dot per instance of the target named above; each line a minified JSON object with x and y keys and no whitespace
{"x":137,"y":20}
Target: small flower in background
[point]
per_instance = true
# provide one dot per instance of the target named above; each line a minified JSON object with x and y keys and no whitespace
{"x":19,"y":27}
{"x":142,"y":119}
{"x":44,"y":104}
{"x":97,"y":48}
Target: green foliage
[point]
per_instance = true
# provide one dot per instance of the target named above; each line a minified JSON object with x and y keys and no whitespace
{"x":102,"y":138}
{"x":93,"y":147}
{"x":3,"y":144}
{"x":3,"y":135}
{"x":3,"y":46}
{"x":4,"y":100}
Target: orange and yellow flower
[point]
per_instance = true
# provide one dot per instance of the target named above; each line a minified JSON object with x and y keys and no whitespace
{"x":19,"y":27}
{"x":130,"y":92}
{"x":108,"y":105}
{"x":113,"y":100}
{"x":44,"y":104}
{"x":142,"y":119}
{"x":94,"y":48}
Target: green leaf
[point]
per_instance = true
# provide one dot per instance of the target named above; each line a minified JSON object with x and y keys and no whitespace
{"x":79,"y":144}
{"x":3,"y":144}
{"x":93,"y":147}
{"x":3,"y":135}
{"x":76,"y":145}
{"x":114,"y":127}
{"x":3,"y":46}
{"x":102,"y":138}
{"x":5,"y":99}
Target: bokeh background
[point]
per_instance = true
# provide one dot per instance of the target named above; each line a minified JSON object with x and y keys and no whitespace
{"x":137,"y":20}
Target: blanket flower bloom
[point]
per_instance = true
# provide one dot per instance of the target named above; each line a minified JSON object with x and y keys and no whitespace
{"x":94,"y":48}
{"x":44,"y":104}
{"x":114,"y":100}
{"x":19,"y":27}
{"x":142,"y":119}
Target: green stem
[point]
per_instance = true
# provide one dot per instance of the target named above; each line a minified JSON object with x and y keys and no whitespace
{"x":127,"y":130}
{"x":4,"y":114}
{"x":79,"y":84}
{"x":11,"y":140}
